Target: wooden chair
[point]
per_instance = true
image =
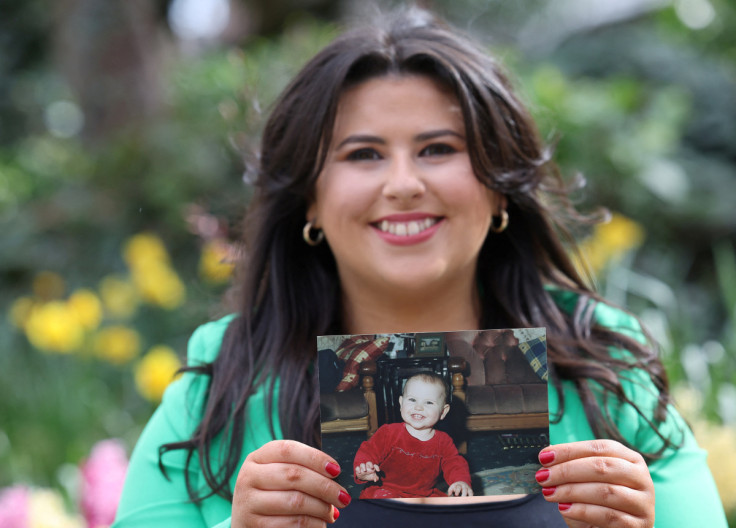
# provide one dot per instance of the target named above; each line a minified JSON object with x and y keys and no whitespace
{"x":353,"y":410}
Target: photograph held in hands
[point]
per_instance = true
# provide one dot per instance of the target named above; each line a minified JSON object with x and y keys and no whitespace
{"x":449,"y":414}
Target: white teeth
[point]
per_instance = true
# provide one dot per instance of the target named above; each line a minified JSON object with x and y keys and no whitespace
{"x":406,"y":228}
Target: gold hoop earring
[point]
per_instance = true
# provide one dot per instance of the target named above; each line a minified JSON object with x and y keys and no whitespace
{"x":504,"y":222}
{"x":307,"y":234}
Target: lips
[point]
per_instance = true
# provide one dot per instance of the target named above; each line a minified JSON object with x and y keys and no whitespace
{"x":417,"y":417}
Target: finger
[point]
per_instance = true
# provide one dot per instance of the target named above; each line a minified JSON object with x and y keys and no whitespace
{"x":279,"y":521}
{"x":290,"y":503}
{"x":293,"y":452}
{"x":596,"y":469}
{"x":557,"y":454}
{"x":612,"y":496}
{"x":376,"y":468}
{"x":595,"y":515}
{"x":287,"y":477}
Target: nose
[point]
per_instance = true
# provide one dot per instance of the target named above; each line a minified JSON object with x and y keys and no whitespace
{"x":404,"y":181}
{"x":418,"y":406}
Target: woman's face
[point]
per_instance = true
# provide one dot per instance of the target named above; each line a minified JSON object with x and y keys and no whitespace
{"x":397,"y":199}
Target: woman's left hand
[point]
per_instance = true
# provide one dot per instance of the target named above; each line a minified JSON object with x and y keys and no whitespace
{"x":598,"y":483}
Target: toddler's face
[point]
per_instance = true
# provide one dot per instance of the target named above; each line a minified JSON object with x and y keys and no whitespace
{"x":422,"y":404}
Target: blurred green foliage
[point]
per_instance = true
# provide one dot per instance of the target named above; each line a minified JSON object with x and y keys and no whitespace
{"x":643,"y":107}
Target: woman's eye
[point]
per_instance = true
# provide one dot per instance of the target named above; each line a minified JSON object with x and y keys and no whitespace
{"x":437,"y":149}
{"x":364,"y":154}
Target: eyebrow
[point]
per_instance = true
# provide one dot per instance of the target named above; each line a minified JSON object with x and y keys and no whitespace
{"x":424,"y":136}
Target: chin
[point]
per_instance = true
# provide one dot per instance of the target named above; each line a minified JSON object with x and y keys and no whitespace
{"x":415,"y":283}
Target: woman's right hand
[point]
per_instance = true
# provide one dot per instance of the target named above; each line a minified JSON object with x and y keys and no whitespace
{"x":285,"y":484}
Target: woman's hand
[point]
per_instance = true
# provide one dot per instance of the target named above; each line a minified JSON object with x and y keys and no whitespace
{"x":460,"y":489}
{"x":285,"y":484}
{"x":598,"y":483}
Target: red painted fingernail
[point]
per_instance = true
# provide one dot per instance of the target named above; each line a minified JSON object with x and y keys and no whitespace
{"x":564,"y":506}
{"x":332,"y":468}
{"x":542,"y":475}
{"x":545,"y":457}
{"x":548,"y":491}
{"x":335,"y":513}
{"x":344,"y":497}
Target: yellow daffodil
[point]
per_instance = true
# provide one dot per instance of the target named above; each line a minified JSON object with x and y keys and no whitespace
{"x":611,"y":241}
{"x":160,"y":285}
{"x":119,"y":296}
{"x":54,"y":327}
{"x":155,"y":371}
{"x":87,"y":307}
{"x":215,"y":264}
{"x":117,"y":344}
{"x":144,"y":248}
{"x":620,"y":234}
{"x":152,"y":274}
{"x":719,"y":442}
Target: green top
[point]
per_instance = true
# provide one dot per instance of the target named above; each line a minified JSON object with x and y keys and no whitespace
{"x":685,"y":492}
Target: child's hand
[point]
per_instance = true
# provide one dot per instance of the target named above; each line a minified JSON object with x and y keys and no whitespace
{"x":460,"y":489}
{"x":367,"y":471}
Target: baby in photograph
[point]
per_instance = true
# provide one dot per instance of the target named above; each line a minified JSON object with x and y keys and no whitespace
{"x":406,"y":459}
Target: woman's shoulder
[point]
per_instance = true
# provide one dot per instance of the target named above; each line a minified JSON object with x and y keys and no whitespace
{"x":637,"y":418}
{"x":605,"y":313}
{"x":206,"y":340}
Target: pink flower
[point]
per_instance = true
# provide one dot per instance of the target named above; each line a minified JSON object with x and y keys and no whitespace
{"x":14,"y":507}
{"x":103,"y":474}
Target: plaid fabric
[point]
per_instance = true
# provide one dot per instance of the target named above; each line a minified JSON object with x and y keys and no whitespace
{"x":535,"y":351}
{"x":355,"y":350}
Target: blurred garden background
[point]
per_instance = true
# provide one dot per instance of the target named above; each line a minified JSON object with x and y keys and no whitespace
{"x":128,"y":135}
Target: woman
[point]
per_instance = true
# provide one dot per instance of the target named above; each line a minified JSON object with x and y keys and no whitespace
{"x":403,"y":187}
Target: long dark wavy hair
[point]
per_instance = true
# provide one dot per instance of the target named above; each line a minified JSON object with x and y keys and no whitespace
{"x":290,"y":291}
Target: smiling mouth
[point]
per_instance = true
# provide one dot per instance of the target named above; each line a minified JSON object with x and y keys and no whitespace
{"x":417,"y":416}
{"x":409,"y":228}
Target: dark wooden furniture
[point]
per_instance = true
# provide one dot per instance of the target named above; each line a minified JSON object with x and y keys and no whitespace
{"x":354,"y":410}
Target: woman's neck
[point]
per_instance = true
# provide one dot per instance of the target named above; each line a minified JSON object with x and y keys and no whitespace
{"x":374,"y":312}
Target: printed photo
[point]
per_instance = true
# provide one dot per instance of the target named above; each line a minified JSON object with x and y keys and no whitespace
{"x":450,"y":414}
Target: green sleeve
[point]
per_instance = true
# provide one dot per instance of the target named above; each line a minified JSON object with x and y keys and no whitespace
{"x":150,"y":499}
{"x":685,"y":493}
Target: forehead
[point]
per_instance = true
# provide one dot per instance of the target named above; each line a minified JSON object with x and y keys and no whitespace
{"x":390,"y":99}
{"x":423,"y":385}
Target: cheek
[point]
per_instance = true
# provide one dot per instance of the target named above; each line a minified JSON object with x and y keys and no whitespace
{"x":341,"y":195}
{"x":470,"y":196}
